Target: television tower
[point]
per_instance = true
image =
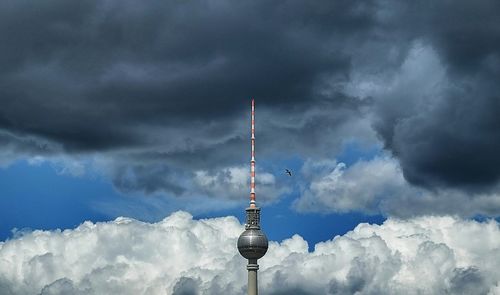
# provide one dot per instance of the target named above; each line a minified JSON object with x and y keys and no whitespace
{"x":252,"y":243}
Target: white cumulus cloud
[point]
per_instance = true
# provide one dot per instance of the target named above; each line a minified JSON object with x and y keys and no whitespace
{"x":179,"y":255}
{"x":378,"y":186}
{"x":363,"y":186}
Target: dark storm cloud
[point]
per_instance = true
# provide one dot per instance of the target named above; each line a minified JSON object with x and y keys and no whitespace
{"x":161,"y":88}
{"x":450,"y":138}
{"x":86,"y":74}
{"x":168,"y":82}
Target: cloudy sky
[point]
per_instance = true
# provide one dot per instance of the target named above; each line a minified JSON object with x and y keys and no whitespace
{"x":124,"y":140}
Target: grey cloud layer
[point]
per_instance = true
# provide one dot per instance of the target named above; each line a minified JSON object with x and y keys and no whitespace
{"x":378,"y":186}
{"x":93,"y":74}
{"x":449,"y":136}
{"x":161,"y":89}
{"x":180,"y":255}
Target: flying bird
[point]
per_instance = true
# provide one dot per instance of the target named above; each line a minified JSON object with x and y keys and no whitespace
{"x":288,"y":172}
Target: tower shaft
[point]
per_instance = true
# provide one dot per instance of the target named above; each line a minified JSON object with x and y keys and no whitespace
{"x":252,"y":268}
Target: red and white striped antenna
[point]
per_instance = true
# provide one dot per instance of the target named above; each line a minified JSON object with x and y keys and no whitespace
{"x":252,"y":161}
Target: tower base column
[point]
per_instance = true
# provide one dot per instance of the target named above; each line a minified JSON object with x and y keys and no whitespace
{"x":252,"y":268}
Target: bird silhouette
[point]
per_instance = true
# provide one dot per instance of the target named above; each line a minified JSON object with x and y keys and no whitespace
{"x":288,"y":172}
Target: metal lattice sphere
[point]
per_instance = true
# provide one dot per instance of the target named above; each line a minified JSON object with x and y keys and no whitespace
{"x":252,"y":244}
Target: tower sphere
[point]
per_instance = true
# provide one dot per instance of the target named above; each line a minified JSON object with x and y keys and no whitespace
{"x":252,"y":244}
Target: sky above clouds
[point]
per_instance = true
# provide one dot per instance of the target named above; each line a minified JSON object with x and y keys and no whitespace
{"x":383,"y":110}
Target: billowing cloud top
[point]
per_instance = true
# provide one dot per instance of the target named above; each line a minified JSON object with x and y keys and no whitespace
{"x":179,"y":255}
{"x":153,"y":95}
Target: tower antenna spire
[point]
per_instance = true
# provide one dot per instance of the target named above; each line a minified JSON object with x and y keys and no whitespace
{"x":252,"y":243}
{"x":252,"y":161}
